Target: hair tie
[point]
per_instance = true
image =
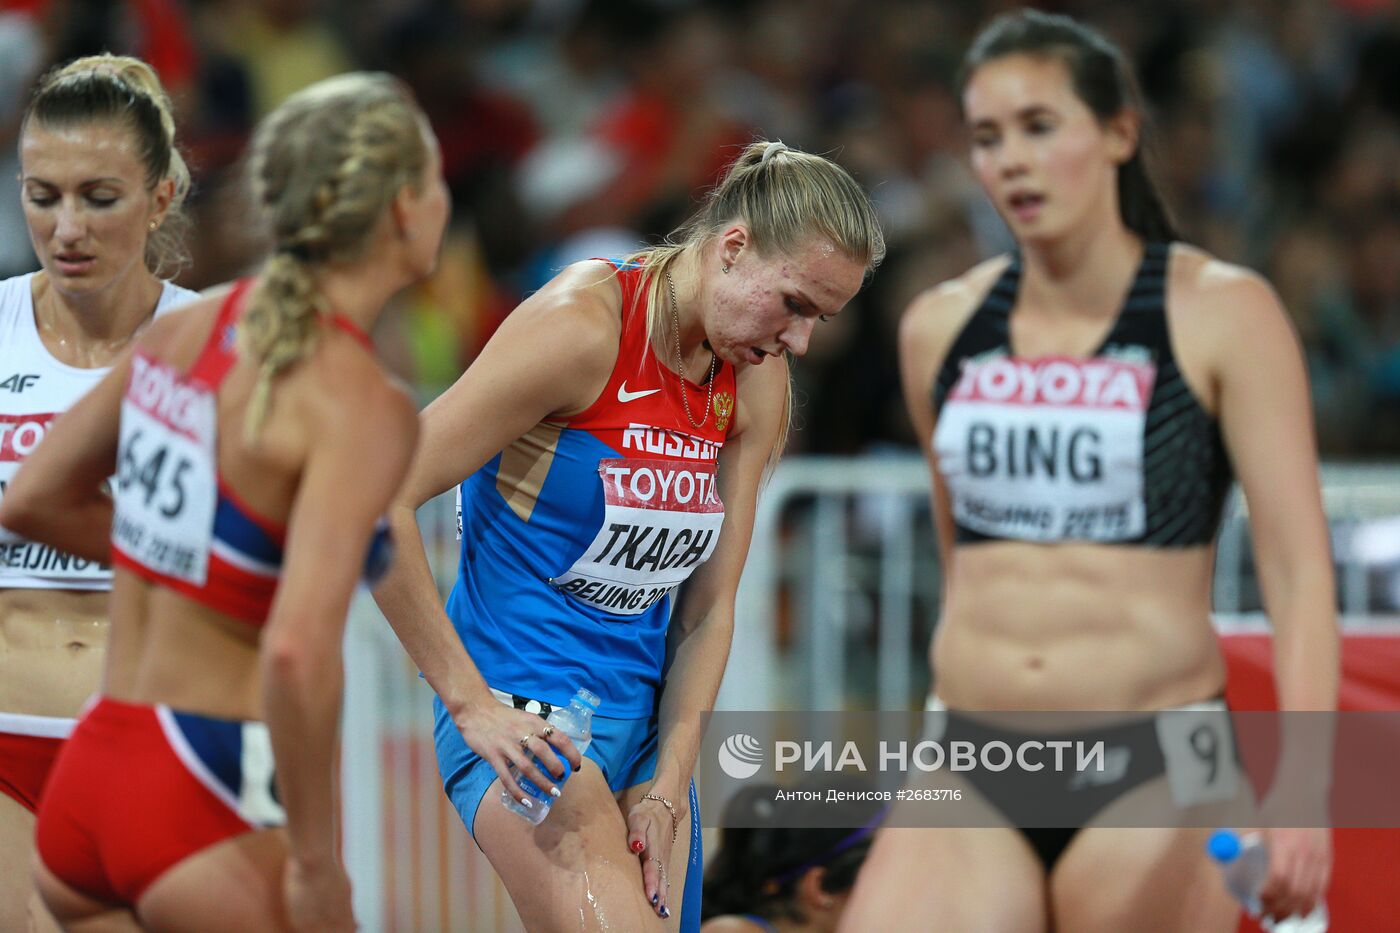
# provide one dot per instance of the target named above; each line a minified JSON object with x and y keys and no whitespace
{"x":770,"y":150}
{"x":773,"y":885}
{"x":299,"y":251}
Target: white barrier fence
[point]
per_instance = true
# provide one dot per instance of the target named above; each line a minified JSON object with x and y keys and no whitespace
{"x":835,"y":611}
{"x":844,"y":555}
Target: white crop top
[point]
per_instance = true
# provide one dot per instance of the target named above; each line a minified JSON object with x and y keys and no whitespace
{"x":35,"y":389}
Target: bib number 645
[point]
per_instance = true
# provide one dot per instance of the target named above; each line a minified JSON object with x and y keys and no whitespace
{"x":160,"y":473}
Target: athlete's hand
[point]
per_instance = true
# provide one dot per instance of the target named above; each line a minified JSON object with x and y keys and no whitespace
{"x":1300,"y":864}
{"x":494,"y":731}
{"x":318,"y":897}
{"x":649,"y":836}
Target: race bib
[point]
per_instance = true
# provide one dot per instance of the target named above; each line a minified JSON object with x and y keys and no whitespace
{"x":1198,"y":744}
{"x":20,"y":558}
{"x":1048,"y":449}
{"x":166,"y":485}
{"x":661,"y":520}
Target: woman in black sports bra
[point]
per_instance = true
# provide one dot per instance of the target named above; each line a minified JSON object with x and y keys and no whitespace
{"x":1085,"y":404}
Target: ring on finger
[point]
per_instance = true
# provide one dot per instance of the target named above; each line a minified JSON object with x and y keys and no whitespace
{"x":661,"y":868}
{"x":525,"y":742}
{"x":547,"y":732}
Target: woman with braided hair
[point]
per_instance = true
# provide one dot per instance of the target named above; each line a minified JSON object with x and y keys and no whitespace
{"x":607,"y":446}
{"x":244,"y":512}
{"x":102,"y":184}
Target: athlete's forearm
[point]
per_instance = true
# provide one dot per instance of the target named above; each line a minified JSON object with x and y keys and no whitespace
{"x":82,"y":528}
{"x":1307,"y":659}
{"x":1300,"y":597}
{"x":301,"y":699}
{"x":409,"y":599}
{"x":691,"y":686}
{"x":1307,"y":656}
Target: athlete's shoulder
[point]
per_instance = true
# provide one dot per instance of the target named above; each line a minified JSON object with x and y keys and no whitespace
{"x":187,"y":326}
{"x":355,"y":397}
{"x":16,"y":308}
{"x":174,"y":296}
{"x":14,"y":294}
{"x":1208,"y":292}
{"x":588,"y":288}
{"x":567,"y":334}
{"x":936,"y":316}
{"x":576,"y":312}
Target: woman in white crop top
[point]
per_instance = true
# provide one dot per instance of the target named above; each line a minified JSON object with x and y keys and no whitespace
{"x":1082,"y":405}
{"x":101,"y":184}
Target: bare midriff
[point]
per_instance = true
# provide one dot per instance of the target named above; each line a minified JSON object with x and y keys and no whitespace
{"x":1076,"y":627}
{"x":51,"y":645}
{"x":168,"y":649}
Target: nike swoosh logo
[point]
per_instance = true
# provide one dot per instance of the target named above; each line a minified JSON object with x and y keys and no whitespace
{"x":624,"y":396}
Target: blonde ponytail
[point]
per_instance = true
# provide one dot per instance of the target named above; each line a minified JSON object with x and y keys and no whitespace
{"x":325,"y":165}
{"x":783,"y":196}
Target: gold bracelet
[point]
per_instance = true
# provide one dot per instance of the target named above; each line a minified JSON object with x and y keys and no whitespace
{"x":675,"y":820}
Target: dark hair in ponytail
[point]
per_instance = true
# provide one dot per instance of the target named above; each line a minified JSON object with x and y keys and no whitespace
{"x":1101,"y":79}
{"x":762,"y":860}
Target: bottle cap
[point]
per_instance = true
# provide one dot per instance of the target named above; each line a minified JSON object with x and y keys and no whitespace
{"x":1224,"y":846}
{"x":587,"y":697}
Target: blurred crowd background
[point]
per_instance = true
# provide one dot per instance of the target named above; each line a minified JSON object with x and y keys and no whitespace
{"x":578,"y":128}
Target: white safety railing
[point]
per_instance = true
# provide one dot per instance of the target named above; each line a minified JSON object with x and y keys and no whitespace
{"x":837,"y":604}
{"x":843,"y":552}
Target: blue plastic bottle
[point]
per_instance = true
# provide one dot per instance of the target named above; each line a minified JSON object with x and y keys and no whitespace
{"x":1244,"y":866}
{"x":575,"y":721}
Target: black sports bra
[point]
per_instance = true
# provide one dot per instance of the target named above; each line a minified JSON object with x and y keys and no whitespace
{"x":1111,"y":448}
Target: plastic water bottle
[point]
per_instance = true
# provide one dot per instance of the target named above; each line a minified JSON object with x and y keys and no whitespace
{"x":575,"y":721}
{"x":1244,"y":866}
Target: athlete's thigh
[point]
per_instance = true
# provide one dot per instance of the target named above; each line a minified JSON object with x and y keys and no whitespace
{"x":16,"y":850}
{"x":20,"y":905}
{"x":78,"y":912}
{"x":229,"y":887}
{"x":575,"y":866}
{"x":978,"y":880}
{"x":1164,"y":880}
{"x":1155,"y":880}
{"x":1161,"y":878}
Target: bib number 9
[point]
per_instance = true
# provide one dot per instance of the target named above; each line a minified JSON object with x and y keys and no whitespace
{"x":1198,"y":745}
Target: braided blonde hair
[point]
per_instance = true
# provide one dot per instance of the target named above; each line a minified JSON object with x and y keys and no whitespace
{"x":783,"y":196}
{"x":325,"y":166}
{"x":127,"y":91}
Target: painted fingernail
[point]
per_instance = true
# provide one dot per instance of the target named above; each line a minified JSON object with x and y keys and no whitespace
{"x":554,"y":792}
{"x":526,"y":802}
{"x":638,"y":845}
{"x":654,"y":899}
{"x":665,"y":912}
